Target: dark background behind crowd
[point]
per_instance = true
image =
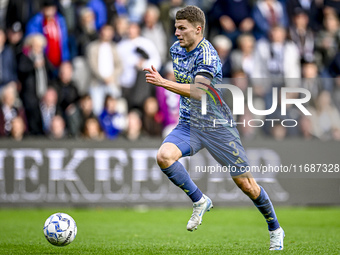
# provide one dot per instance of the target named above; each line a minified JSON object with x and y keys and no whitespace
{"x":73,"y":68}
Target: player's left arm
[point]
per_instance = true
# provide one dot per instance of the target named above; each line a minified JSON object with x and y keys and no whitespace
{"x":195,"y":90}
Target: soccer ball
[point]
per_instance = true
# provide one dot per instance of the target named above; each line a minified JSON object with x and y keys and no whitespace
{"x":60,"y":229}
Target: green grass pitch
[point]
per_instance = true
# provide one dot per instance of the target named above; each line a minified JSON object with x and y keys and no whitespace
{"x":163,"y":231}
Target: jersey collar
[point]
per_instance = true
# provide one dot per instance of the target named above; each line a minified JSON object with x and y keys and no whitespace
{"x":197,"y":46}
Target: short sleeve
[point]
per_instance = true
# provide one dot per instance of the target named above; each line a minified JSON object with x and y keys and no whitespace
{"x":206,"y":62}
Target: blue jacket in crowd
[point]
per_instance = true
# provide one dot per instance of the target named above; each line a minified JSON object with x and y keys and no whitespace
{"x":99,"y":9}
{"x":35,"y":25}
{"x":7,"y":66}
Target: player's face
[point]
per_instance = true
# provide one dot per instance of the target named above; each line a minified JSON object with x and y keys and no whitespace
{"x":187,"y":34}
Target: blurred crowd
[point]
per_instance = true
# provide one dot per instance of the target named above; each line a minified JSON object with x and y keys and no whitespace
{"x":74,"y":68}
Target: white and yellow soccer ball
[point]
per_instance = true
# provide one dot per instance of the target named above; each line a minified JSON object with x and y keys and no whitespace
{"x":60,"y":229}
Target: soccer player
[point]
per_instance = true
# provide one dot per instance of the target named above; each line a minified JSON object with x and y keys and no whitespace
{"x":197,"y":69}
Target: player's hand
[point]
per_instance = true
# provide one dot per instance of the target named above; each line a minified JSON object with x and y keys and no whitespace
{"x":153,"y":76}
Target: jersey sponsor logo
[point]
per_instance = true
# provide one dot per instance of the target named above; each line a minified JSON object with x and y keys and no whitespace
{"x":182,"y":77}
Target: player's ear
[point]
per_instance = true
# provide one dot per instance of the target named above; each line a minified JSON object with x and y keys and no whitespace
{"x":198,"y":29}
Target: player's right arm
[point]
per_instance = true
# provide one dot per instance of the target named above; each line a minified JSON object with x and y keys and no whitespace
{"x":188,"y":90}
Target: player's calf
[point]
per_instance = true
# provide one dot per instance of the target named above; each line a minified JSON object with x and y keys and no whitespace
{"x":262,"y":201}
{"x":248,"y":185}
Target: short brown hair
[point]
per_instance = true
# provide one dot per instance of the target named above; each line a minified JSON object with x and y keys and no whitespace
{"x":193,"y":14}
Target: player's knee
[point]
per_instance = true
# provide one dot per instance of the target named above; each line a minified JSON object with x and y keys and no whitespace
{"x":165,"y":158}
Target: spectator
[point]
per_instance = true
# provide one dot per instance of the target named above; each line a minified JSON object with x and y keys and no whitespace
{"x":49,"y":109}
{"x":112,"y":12}
{"x":232,"y":17}
{"x":204,"y":5}
{"x":76,"y":117}
{"x":325,"y":118}
{"x":267,"y":14}
{"x":327,"y":41}
{"x":276,"y":59}
{"x":68,"y":94}
{"x":121,"y":25}
{"x":22,"y":11}
{"x":336,"y":93}
{"x":8,"y":110}
{"x":317,"y":11}
{"x":119,"y":8}
{"x":18,"y":128}
{"x":32,"y":73}
{"x":292,"y":113}
{"x":92,"y":130}
{"x":247,"y":132}
{"x":53,"y":26}
{"x":3,"y":9}
{"x":7,"y":62}
{"x":136,"y":52}
{"x":154,"y":31}
{"x":135,"y":125}
{"x":132,"y":9}
{"x":334,"y":71}
{"x":15,"y":38}
{"x":223,"y":46}
{"x":292,"y":5}
{"x":68,"y":10}
{"x":111,"y":121}
{"x":100,"y":12}
{"x":67,"y":90}
{"x":57,"y":128}
{"x":242,"y":59}
{"x":311,"y":80}
{"x":278,"y":132}
{"x":136,"y":10}
{"x":334,"y":67}
{"x":331,"y":6}
{"x":86,"y":32}
{"x":306,"y":128}
{"x":152,"y":117}
{"x":302,"y":35}
{"x":105,"y":65}
{"x":168,"y":17}
{"x":240,"y":80}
